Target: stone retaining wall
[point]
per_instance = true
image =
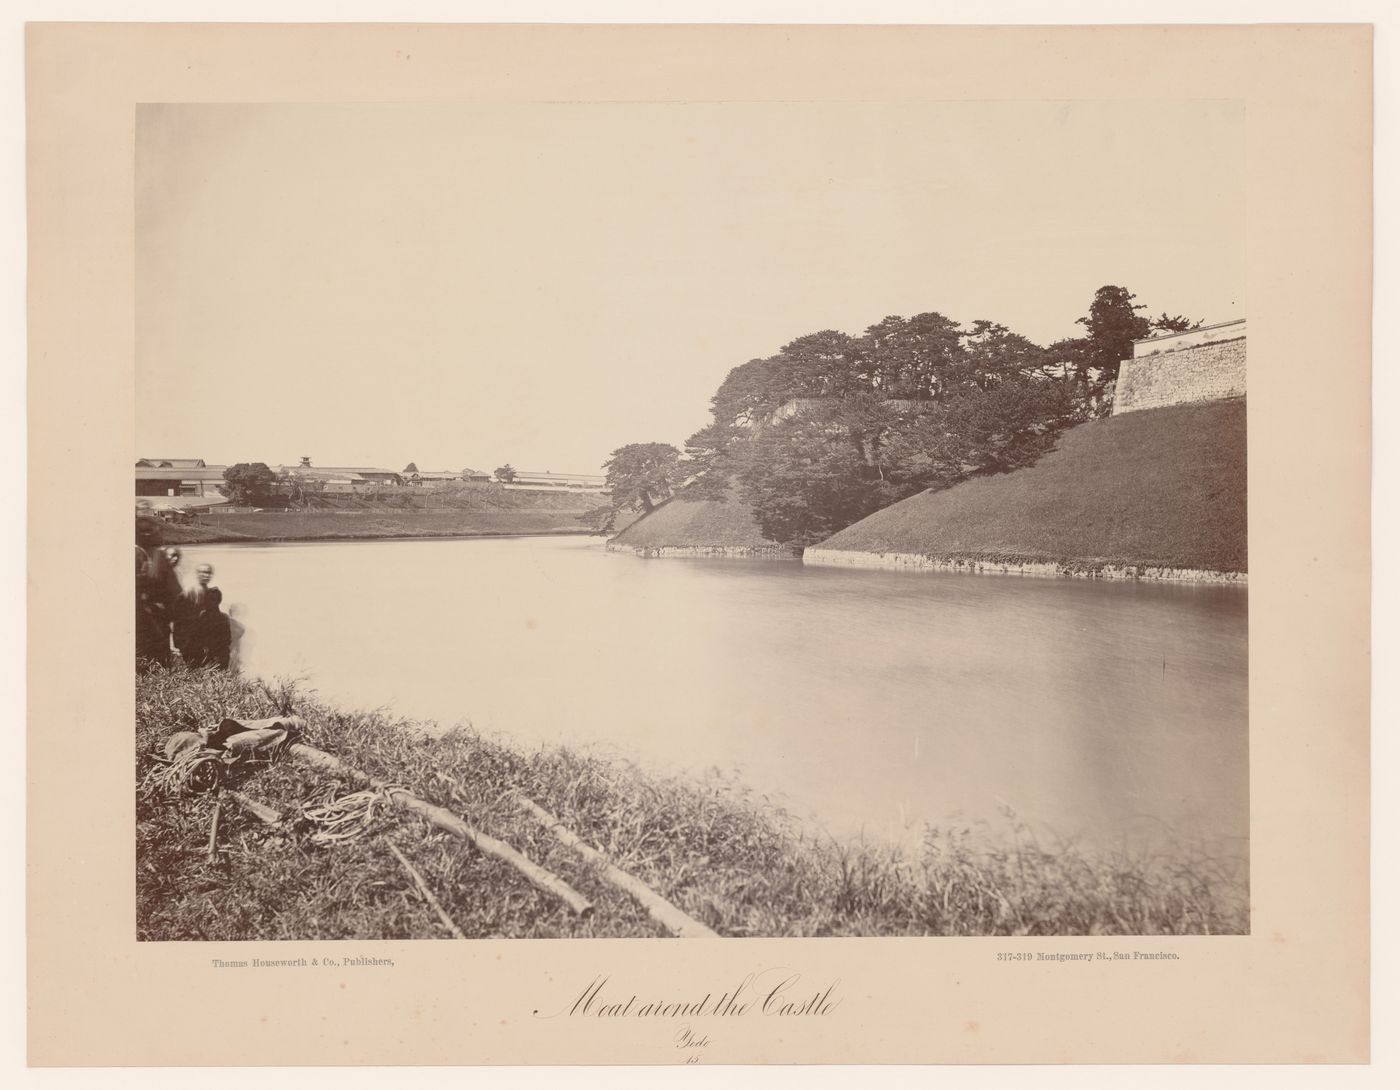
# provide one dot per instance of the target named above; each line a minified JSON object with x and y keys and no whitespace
{"x":844,"y":558}
{"x":1207,"y":372}
{"x":732,"y":552}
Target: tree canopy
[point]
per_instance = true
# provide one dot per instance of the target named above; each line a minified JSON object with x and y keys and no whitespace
{"x":249,"y":484}
{"x":641,"y":475}
{"x":833,"y":426}
{"x":1113,"y":324}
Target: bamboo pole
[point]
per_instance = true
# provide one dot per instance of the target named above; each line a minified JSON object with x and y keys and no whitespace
{"x":658,"y":908}
{"x":426,"y":892}
{"x":450,"y":822}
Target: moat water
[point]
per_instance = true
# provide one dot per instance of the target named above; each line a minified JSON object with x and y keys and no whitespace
{"x":866,"y":702}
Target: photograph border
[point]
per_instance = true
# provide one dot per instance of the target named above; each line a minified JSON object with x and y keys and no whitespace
{"x":1311,"y":931}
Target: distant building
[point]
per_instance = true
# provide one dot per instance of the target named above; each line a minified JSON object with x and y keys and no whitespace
{"x":574,"y":482}
{"x":342,"y":479}
{"x":178,"y":477}
{"x":434,"y":477}
{"x":431,"y":478}
{"x":170,"y":463}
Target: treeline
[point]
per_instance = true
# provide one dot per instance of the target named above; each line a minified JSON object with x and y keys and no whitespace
{"x":834,"y":427}
{"x":255,"y":484}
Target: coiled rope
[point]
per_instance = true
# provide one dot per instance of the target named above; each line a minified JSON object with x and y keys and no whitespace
{"x":191,"y":772}
{"x":347,"y":817}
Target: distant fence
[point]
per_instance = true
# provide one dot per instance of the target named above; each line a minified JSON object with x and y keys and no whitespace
{"x":596,"y":490}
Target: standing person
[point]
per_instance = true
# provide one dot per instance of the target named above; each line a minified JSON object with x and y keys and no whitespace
{"x":157,"y":592}
{"x":210,"y":637}
{"x":152,"y":639}
{"x":183,"y":607}
{"x":191,"y":602}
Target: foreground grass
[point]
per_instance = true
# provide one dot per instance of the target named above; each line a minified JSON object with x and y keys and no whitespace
{"x":722,"y":855}
{"x":1162,"y":487}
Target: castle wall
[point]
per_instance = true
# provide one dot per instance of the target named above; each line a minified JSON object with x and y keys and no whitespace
{"x":1206,"y":372}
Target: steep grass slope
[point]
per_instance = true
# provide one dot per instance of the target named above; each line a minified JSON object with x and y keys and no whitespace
{"x":705,"y":524}
{"x":1160,"y":488}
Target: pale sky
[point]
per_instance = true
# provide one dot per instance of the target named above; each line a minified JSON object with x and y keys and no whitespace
{"x":540,"y":283}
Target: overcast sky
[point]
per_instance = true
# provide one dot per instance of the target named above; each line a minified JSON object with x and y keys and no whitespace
{"x":542,"y":283}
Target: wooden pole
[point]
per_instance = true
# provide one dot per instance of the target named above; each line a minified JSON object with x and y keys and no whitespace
{"x":450,"y":822}
{"x":658,"y":908}
{"x":265,"y":814}
{"x":214,"y":829}
{"x":426,"y":892}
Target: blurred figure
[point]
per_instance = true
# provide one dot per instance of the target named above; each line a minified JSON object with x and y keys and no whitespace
{"x":237,"y":630}
{"x":157,"y":591}
{"x":202,"y":575}
{"x":210,"y":636}
{"x":187,"y":609}
{"x":152,"y":640}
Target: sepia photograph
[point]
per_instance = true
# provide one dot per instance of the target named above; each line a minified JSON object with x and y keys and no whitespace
{"x":563,"y":519}
{"x":893,"y":497}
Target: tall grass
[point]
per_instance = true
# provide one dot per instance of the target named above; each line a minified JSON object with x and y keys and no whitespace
{"x":707,"y":843}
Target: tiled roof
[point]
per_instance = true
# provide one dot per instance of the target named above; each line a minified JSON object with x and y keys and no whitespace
{"x":336,"y":471}
{"x":203,"y":473}
{"x":519,"y":473}
{"x":1186,"y":332}
{"x":172,"y":463}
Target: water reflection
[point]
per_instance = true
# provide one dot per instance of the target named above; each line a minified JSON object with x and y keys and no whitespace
{"x":865,"y":700}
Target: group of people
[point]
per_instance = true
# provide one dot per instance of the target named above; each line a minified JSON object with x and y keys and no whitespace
{"x":173,"y":619}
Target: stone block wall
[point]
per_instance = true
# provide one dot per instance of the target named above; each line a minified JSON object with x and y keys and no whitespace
{"x":1207,"y":372}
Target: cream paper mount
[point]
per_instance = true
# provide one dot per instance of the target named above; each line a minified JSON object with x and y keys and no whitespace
{"x":1293,"y":990}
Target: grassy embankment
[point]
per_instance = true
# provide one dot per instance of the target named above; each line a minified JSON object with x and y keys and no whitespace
{"x":685,"y":524}
{"x":724,"y":856}
{"x":464,"y":511}
{"x":1161,"y":488}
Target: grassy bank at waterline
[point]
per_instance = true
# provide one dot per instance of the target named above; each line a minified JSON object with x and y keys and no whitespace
{"x":457,"y":511}
{"x":714,"y":849}
{"x":366,"y":525}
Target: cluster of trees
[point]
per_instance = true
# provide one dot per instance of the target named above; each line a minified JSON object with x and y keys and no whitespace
{"x":912,"y":404}
{"x":253,"y":484}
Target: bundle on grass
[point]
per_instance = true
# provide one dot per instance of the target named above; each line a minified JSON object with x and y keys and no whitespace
{"x":197,"y":761}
